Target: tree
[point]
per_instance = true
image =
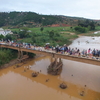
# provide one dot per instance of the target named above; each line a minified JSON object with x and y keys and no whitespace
{"x":51,"y":33}
{"x":33,"y":39}
{"x":23,"y":32}
{"x":80,"y":29}
{"x":8,"y":37}
{"x":41,"y":29}
{"x":1,"y":36}
{"x":92,"y":25}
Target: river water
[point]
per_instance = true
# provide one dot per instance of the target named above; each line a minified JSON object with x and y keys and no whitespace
{"x":85,"y":42}
{"x":17,"y":84}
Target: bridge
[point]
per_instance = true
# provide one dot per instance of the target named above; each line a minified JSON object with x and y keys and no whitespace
{"x":53,"y":55}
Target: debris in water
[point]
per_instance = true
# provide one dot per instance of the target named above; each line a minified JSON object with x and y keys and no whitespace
{"x":47,"y":80}
{"x":14,"y":67}
{"x":63,"y":86}
{"x":24,"y":70}
{"x":82,"y":93}
{"x":34,"y":74}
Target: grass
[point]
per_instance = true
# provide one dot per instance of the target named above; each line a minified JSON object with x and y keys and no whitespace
{"x":64,"y":32}
{"x":37,"y":29}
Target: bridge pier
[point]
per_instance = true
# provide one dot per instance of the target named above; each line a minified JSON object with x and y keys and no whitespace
{"x":55,"y":67}
{"x":21,"y":56}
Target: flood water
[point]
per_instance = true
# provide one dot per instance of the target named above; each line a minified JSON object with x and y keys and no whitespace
{"x":16,"y":84}
{"x":85,"y":42}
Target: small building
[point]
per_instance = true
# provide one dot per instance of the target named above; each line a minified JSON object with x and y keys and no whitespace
{"x":5,"y":32}
{"x":2,"y":32}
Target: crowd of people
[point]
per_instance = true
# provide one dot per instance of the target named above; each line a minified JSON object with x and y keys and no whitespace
{"x":95,"y":53}
{"x":89,"y":53}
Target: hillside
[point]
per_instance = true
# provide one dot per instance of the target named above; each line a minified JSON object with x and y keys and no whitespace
{"x":31,"y":19}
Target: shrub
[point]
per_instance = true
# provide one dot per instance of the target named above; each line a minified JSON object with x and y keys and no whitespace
{"x":80,"y":29}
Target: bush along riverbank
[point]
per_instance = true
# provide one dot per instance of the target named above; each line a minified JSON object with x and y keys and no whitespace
{"x":6,"y":55}
{"x":9,"y":57}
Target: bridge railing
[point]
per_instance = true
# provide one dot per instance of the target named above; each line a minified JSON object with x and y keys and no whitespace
{"x":54,"y":54}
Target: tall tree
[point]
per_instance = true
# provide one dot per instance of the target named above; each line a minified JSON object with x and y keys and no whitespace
{"x":92,"y":25}
{"x":51,"y":34}
{"x":41,"y":29}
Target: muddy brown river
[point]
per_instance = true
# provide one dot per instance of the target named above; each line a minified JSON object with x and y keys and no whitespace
{"x":17,"y":84}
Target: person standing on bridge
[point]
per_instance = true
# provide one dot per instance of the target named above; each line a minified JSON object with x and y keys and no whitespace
{"x":65,"y":49}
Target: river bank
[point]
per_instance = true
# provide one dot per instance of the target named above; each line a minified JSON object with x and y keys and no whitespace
{"x":16,"y":62}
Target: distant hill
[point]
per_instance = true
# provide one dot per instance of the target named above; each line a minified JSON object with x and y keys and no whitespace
{"x":32,"y":19}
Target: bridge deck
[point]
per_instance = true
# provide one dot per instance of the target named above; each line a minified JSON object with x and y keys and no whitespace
{"x":47,"y":53}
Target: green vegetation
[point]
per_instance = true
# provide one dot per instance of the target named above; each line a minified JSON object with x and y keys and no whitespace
{"x":27,"y":18}
{"x":31,"y":55}
{"x":6,"y":55}
{"x":53,"y":35}
{"x":80,"y":29}
{"x":35,"y":28}
{"x":1,"y":37}
{"x":85,"y":26}
{"x":42,"y":35}
{"x":31,"y":19}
